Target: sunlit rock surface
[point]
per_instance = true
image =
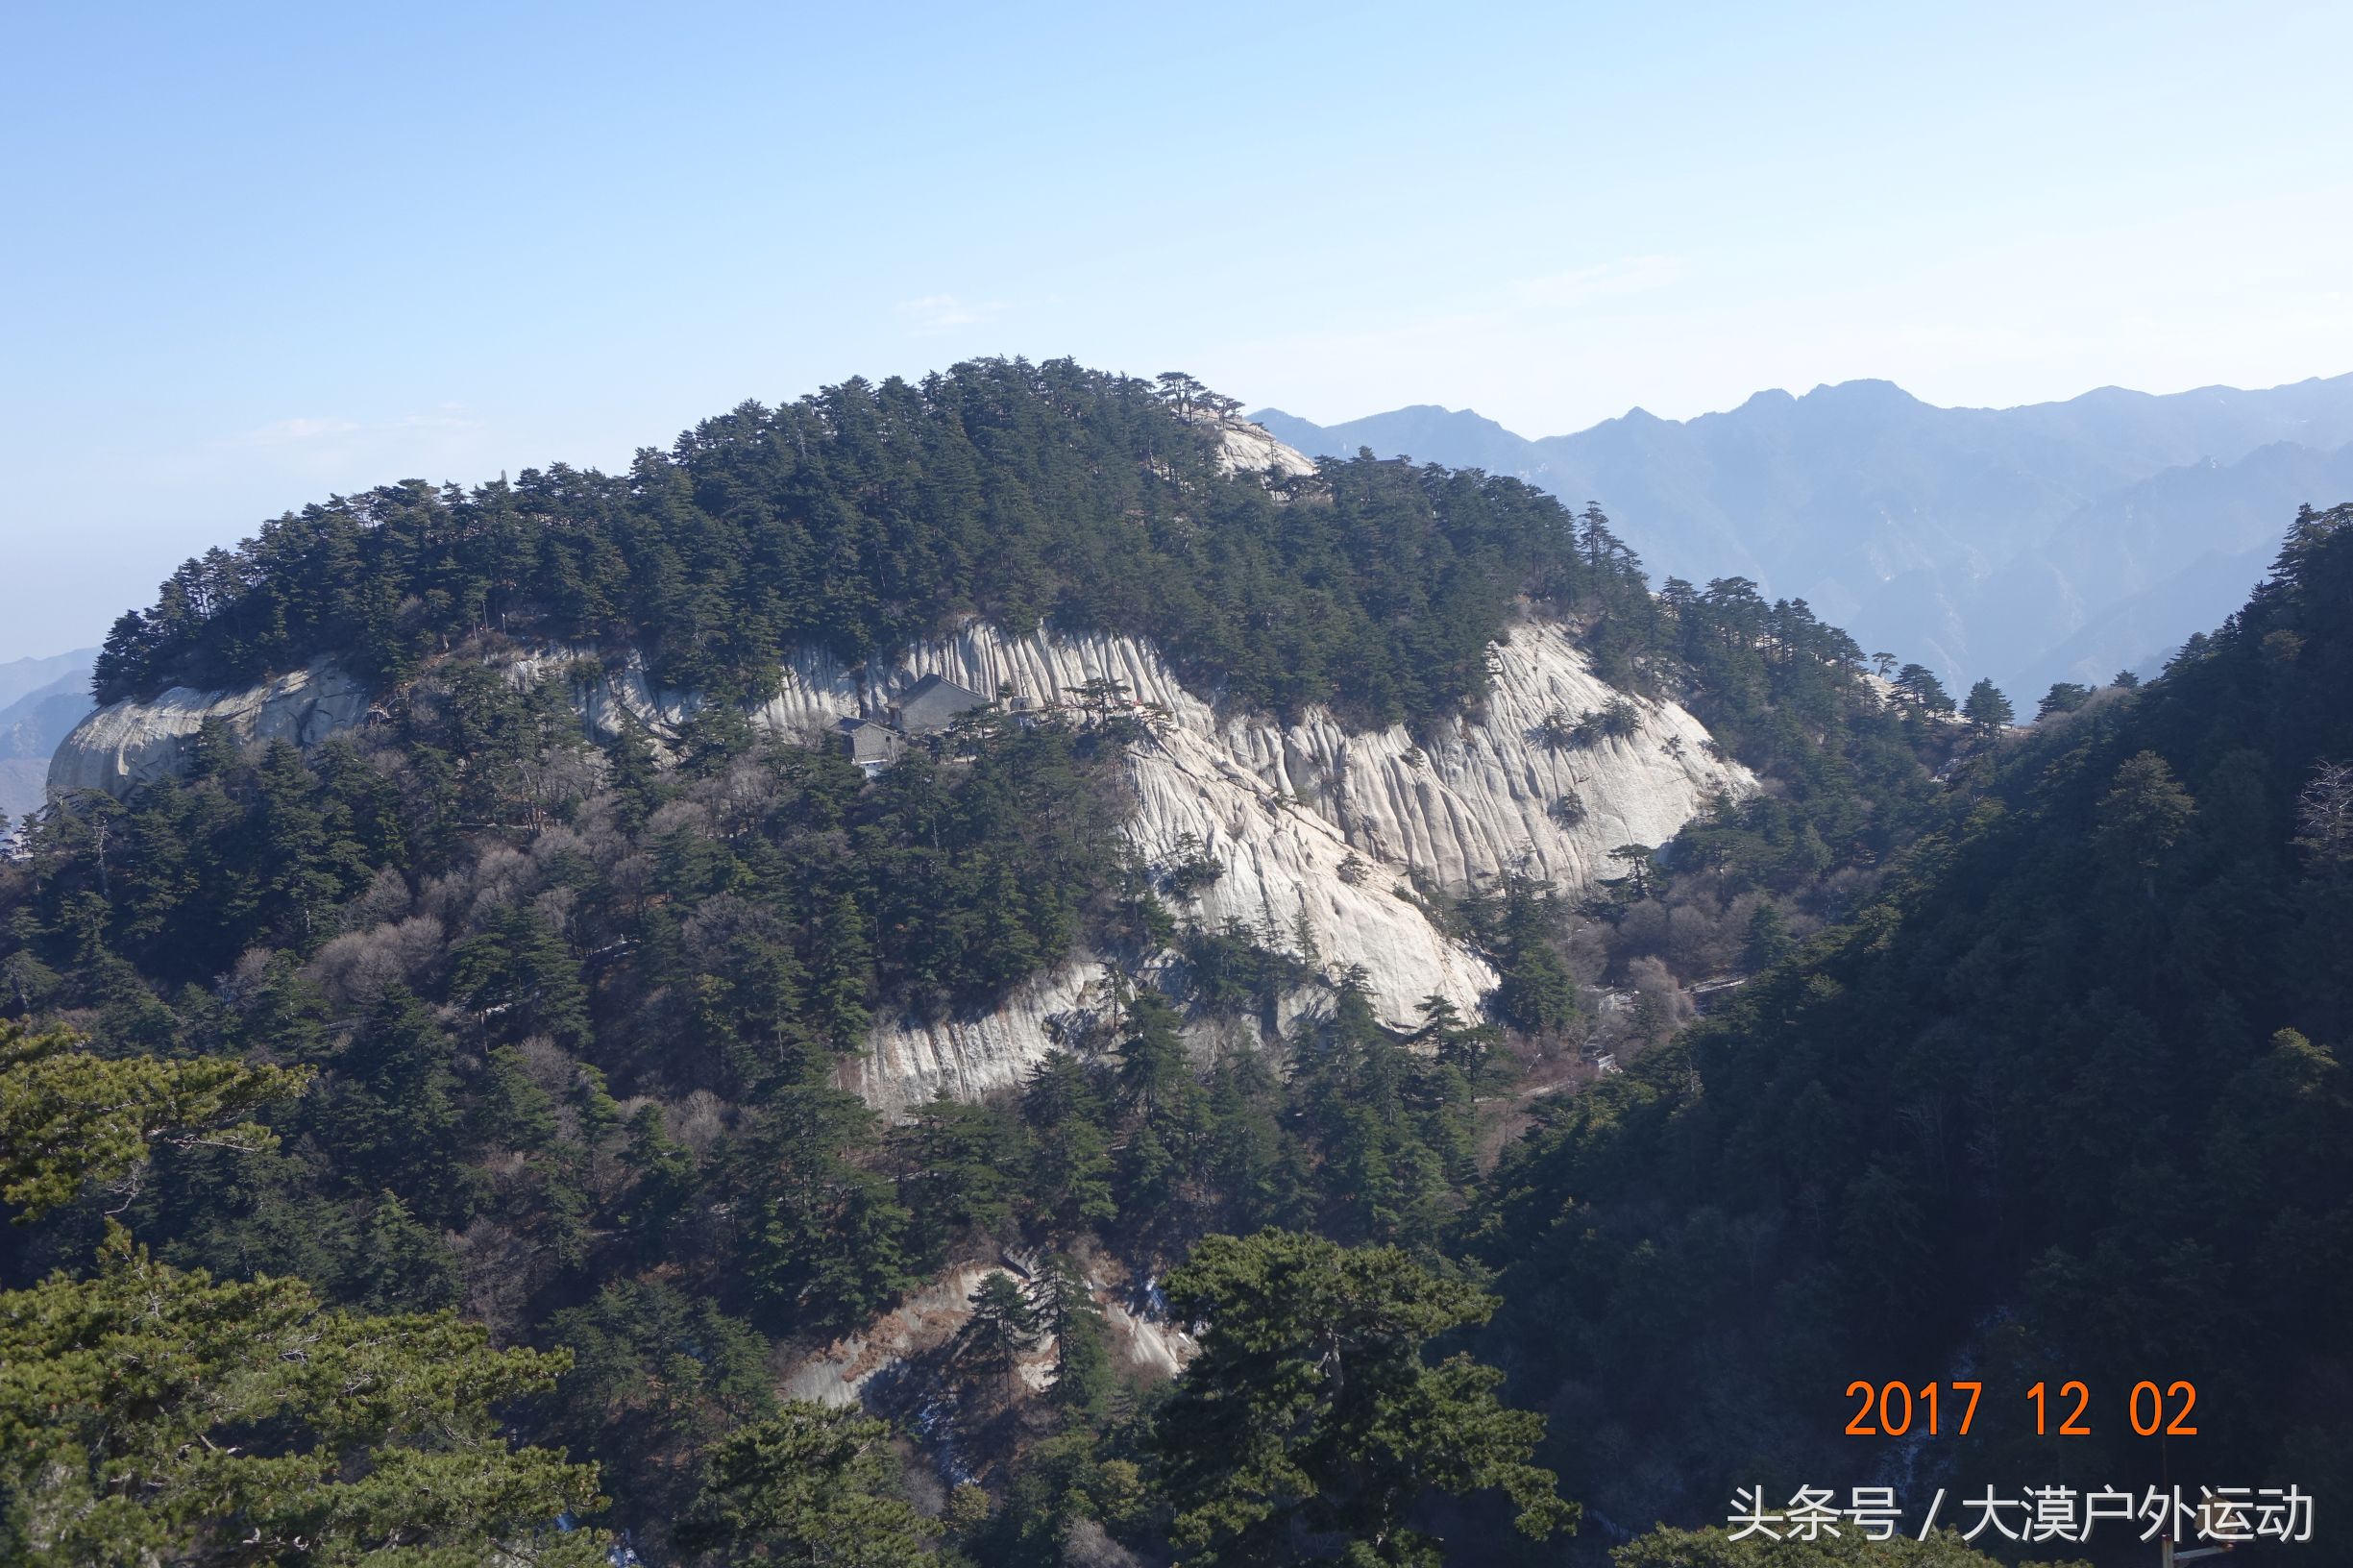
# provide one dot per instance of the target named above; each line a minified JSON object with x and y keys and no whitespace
{"x":125,"y":744}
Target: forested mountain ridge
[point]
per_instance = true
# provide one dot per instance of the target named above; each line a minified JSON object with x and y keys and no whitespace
{"x":2069,"y":1101}
{"x":1359,"y":567}
{"x":548,"y":1023}
{"x":1942,"y":535}
{"x":866,"y":517}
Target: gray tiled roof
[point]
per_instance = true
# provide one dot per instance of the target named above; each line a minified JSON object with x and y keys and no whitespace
{"x":932,"y":701}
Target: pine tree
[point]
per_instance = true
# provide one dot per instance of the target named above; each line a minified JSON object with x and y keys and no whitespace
{"x":751,"y":1011}
{"x":1070,"y":1166}
{"x":812,"y":1484}
{"x":517,"y":970}
{"x":630,"y":773}
{"x":960,"y":1167}
{"x":1769,"y":940}
{"x":299,"y":881}
{"x":841,"y":973}
{"x":1918,"y":685}
{"x":128,"y":1400}
{"x":1987,"y":710}
{"x":69,"y":1116}
{"x":828,"y":1239}
{"x":1538,"y":993}
{"x":663,"y":1173}
{"x":1245,"y":1141}
{"x":1310,"y":1415}
{"x":1002,"y":1326}
{"x":390,"y":1111}
{"x":1154,"y":1073}
{"x":2064,"y":696}
{"x":1062,"y":1306}
{"x":513,"y":1112}
{"x":403,"y":1265}
{"x":2145,"y":810}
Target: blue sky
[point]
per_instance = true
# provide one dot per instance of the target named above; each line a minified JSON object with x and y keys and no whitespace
{"x":261,"y":254}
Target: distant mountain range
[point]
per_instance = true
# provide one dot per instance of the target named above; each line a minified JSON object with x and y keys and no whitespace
{"x":41,"y":701}
{"x":2058,"y":541}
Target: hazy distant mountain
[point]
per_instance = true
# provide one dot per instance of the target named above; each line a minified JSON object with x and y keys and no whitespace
{"x":2144,"y":566}
{"x":19,"y":677}
{"x":41,"y":701}
{"x":1456,"y":438}
{"x":2012,"y":541}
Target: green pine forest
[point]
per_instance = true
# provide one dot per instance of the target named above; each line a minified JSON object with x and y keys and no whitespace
{"x":430,"y":1147}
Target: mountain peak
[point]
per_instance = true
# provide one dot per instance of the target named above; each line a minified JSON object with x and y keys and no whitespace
{"x":1862,"y":392}
{"x":1460,"y":437}
{"x":1421,"y":413}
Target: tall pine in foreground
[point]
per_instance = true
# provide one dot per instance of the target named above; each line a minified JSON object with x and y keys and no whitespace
{"x":149,"y":1414}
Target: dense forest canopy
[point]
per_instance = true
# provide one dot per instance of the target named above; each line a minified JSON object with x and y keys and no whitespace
{"x":870,"y":515}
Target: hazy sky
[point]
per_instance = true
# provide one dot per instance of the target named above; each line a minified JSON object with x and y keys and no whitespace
{"x":261,"y":253}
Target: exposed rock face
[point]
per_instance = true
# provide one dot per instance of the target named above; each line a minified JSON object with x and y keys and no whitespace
{"x":909,"y":1060}
{"x":1319,"y":834}
{"x":929,"y":1318}
{"x":125,"y":744}
{"x":1247,"y":448}
{"x":925,"y":1318}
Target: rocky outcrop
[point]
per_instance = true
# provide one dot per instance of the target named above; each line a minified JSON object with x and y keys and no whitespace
{"x":927,"y":1319}
{"x":909,"y":1059}
{"x":1285,"y":806}
{"x":1244,"y":448}
{"x":127,"y":743}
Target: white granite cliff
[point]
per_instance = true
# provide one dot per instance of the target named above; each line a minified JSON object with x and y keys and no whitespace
{"x":125,"y":744}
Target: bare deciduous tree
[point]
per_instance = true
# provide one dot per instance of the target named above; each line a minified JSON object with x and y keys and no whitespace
{"x":2325,"y":814}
